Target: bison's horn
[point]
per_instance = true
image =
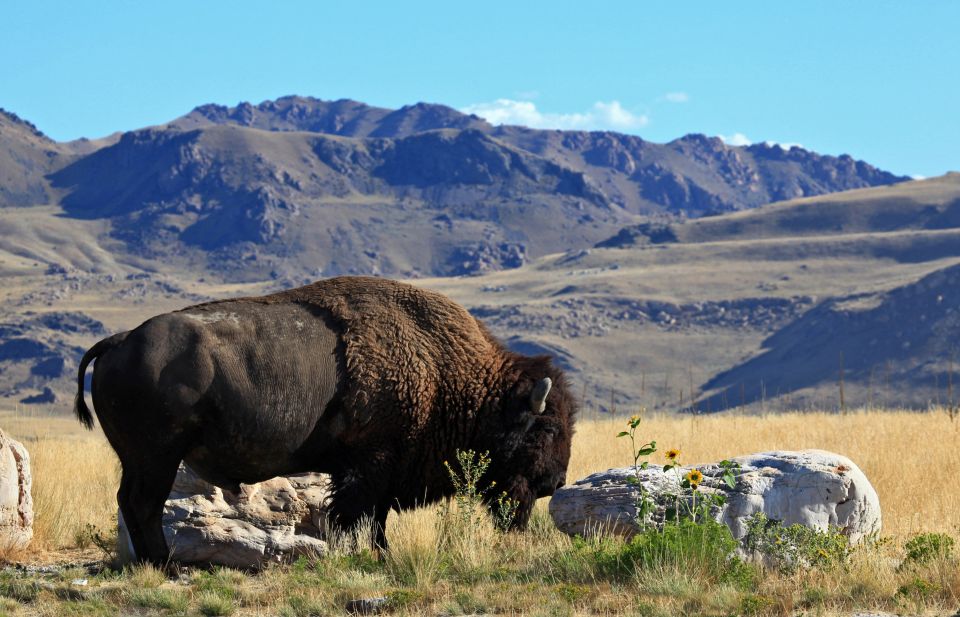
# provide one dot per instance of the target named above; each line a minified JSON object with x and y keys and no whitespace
{"x":538,"y":398}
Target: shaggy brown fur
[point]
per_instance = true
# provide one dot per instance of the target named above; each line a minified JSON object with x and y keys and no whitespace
{"x":405,"y":344}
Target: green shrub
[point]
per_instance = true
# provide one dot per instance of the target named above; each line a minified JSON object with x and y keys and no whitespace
{"x":220,"y":582}
{"x":573,"y":593}
{"x":918,"y":589}
{"x":707,"y":548}
{"x":795,"y":546}
{"x":401,"y":598}
{"x":755,"y":604}
{"x":213,"y":604}
{"x":589,"y":559}
{"x":813,"y":596}
{"x":708,"y":542}
{"x":18,"y":589}
{"x":165,"y":599}
{"x":301,"y":606}
{"x":927,"y":547}
{"x":468,"y":604}
{"x":91,"y":535}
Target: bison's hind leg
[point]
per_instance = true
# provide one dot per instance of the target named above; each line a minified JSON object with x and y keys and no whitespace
{"x":144,"y":489}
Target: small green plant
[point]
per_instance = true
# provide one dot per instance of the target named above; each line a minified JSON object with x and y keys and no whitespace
{"x":213,"y":604}
{"x":699,"y":506}
{"x":302,"y":606}
{"x":18,"y":589}
{"x":927,"y":547}
{"x":504,"y":511}
{"x":469,"y":495}
{"x":813,"y":597}
{"x":573,"y":593}
{"x":403,"y":598}
{"x":795,"y":546}
{"x":644,"y":504}
{"x":468,"y":604}
{"x":755,"y":604}
{"x":93,"y":535}
{"x":164,"y":599}
{"x":706,"y":547}
{"x":918,"y":589}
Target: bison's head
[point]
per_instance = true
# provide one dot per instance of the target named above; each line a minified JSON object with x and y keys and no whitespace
{"x":530,"y":447}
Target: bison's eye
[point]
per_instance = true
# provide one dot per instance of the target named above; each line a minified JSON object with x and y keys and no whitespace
{"x":549,"y":429}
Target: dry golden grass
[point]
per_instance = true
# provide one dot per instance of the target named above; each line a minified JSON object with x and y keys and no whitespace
{"x":75,"y":473}
{"x":75,"y":477}
{"x":434,"y":565}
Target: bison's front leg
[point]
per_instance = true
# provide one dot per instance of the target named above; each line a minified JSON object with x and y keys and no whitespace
{"x":356,"y":501}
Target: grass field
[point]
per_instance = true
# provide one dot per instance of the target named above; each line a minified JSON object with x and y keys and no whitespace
{"x":911,"y":459}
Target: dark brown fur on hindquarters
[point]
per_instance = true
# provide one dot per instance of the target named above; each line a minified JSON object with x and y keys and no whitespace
{"x":373,"y":381}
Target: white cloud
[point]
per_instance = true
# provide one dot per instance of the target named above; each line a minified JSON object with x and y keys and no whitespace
{"x":601,"y":115}
{"x":677,"y":97}
{"x":737,"y":139}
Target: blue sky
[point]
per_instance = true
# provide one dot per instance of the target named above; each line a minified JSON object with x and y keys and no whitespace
{"x":877,"y":80}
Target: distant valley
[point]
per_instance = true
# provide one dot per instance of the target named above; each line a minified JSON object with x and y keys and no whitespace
{"x":656,"y":273}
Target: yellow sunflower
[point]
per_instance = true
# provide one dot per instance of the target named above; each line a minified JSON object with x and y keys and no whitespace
{"x":673,"y":455}
{"x":694,"y":477}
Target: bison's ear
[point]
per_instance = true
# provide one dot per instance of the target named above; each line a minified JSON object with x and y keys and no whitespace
{"x":538,"y":397}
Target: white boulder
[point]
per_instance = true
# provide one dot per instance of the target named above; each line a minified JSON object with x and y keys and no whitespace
{"x":814,"y":488}
{"x":273,"y":521}
{"x":16,"y":502}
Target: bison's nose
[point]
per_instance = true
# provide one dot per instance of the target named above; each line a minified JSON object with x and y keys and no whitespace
{"x":561,"y":481}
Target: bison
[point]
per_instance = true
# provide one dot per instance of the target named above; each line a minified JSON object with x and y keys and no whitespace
{"x":372,"y":381}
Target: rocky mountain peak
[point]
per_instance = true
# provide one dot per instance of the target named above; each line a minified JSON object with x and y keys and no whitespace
{"x":8,"y":118}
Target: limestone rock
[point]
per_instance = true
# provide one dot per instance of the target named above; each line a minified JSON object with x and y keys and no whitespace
{"x":814,"y":488}
{"x":16,"y":502}
{"x":273,"y":521}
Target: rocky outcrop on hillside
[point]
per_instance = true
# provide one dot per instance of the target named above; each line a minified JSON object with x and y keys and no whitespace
{"x":578,"y":316}
{"x":43,"y":336}
{"x":38,"y":350}
{"x":638,"y":235}
{"x":484,"y":257}
{"x":343,"y":117}
{"x":695,"y":175}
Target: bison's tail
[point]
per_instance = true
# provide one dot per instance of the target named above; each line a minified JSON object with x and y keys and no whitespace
{"x":80,"y":408}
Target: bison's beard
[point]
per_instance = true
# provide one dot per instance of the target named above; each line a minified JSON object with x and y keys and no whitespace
{"x":519,"y":491}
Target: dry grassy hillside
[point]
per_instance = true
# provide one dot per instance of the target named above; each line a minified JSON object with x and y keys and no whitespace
{"x":649,"y":323}
{"x":638,"y":324}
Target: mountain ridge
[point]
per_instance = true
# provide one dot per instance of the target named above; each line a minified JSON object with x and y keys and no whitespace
{"x":299,"y":186}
